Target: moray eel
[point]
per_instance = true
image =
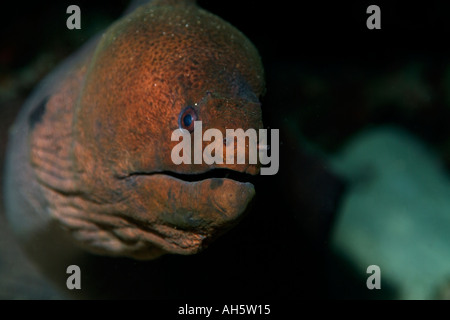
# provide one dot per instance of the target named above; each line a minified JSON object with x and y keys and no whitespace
{"x":89,"y":156}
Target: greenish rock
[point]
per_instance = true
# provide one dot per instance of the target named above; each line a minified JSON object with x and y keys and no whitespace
{"x":396,"y":213}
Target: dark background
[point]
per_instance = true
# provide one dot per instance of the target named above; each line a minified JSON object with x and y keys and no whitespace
{"x":284,"y":30}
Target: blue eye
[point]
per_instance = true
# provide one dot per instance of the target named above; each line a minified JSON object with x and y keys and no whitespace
{"x":187,"y":118}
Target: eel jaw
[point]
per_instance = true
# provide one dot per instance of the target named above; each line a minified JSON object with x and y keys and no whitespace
{"x":182,"y":213}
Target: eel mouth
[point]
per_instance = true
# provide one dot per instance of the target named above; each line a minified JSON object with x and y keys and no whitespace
{"x":216,"y":173}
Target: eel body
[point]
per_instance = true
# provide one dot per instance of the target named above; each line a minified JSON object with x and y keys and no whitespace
{"x":89,"y":157}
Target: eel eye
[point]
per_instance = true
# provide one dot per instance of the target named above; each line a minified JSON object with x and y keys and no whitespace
{"x":187,"y":118}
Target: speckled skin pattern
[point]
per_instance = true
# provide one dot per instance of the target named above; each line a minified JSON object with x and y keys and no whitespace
{"x":90,"y":153}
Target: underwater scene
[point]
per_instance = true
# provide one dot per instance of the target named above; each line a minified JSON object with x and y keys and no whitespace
{"x":181,"y":149}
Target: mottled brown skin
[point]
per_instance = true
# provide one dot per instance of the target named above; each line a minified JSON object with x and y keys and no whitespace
{"x":96,"y":156}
